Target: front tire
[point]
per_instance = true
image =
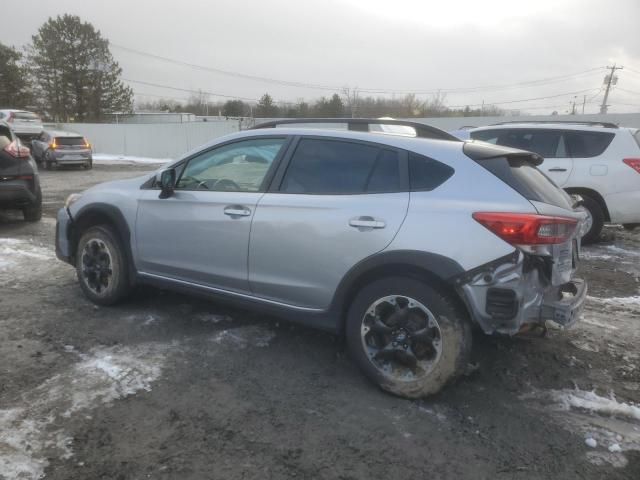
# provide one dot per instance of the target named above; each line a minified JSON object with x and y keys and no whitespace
{"x":596,"y":214}
{"x":408,"y":337}
{"x":101,"y":266}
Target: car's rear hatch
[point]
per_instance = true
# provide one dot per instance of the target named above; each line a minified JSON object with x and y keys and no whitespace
{"x":517,"y":168}
{"x":72,"y":145}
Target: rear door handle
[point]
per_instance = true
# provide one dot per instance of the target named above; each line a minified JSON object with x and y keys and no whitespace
{"x":557,"y":169}
{"x":366,"y":222}
{"x":237,"y":211}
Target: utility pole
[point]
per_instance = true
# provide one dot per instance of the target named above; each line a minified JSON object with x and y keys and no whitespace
{"x":609,"y":80}
{"x":573,"y":105}
{"x":584,"y":101}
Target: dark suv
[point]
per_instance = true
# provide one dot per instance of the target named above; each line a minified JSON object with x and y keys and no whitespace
{"x":19,"y":181}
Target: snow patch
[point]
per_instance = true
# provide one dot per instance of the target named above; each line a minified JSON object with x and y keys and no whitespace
{"x":110,"y":159}
{"x":595,"y":403}
{"x":243,"y":337}
{"x":212,"y":318}
{"x":617,"y":301}
{"x":591,"y":442}
{"x":32,"y":432}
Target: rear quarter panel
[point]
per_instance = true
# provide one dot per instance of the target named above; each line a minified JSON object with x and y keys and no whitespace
{"x":441,"y":222}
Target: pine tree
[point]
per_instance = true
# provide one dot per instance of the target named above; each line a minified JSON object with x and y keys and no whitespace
{"x":14,"y":84}
{"x":266,"y":108}
{"x":75,"y":75}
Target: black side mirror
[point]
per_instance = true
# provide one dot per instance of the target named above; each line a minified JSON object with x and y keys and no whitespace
{"x":167,"y":182}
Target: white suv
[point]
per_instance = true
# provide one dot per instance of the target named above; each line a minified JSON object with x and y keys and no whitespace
{"x":598,"y":161}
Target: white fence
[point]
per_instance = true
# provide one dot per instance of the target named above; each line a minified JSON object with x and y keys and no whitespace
{"x":171,"y":140}
{"x":154,"y":140}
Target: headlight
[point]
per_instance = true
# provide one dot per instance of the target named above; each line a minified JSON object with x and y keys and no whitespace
{"x":71,"y":199}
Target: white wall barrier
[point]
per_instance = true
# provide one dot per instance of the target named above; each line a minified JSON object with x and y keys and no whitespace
{"x":172,"y":140}
{"x":157,"y":140}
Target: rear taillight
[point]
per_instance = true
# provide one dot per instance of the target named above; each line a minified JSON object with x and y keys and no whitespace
{"x":16,"y":150}
{"x":633,"y":163}
{"x":53,"y":145}
{"x":526,"y":228}
{"x":86,"y":143}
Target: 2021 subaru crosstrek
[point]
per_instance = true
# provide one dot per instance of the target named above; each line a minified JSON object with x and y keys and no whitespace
{"x":400,"y":243}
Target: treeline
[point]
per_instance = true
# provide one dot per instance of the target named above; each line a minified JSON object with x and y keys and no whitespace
{"x":345,"y":104}
{"x":66,"y":73}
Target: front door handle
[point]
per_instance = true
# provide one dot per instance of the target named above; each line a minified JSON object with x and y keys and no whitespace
{"x":237,"y":211}
{"x":557,"y":169}
{"x":366,"y":222}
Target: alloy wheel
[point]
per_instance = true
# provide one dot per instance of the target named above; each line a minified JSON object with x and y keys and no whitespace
{"x":401,"y":338}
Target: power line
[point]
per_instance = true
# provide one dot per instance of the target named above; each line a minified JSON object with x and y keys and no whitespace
{"x":627,"y":91}
{"x":334,"y":88}
{"x":522,"y":100}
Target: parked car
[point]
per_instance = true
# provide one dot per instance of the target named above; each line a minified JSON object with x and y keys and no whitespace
{"x":19,"y":181}
{"x":399,"y":243}
{"x":26,"y":125}
{"x":598,"y":161}
{"x":54,"y":148}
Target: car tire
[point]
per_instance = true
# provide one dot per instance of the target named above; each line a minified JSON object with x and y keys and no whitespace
{"x":596,"y":212}
{"x":101,"y":266}
{"x":32,"y":213}
{"x":434,"y":329}
{"x":89,"y":165}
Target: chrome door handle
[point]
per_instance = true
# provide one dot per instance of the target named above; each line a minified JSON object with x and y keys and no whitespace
{"x":557,"y":169}
{"x":366,"y":222}
{"x":237,"y":211}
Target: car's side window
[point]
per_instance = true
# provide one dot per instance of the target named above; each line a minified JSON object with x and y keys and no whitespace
{"x":425,"y":173}
{"x":328,"y":166}
{"x":587,"y":144}
{"x":236,"y":167}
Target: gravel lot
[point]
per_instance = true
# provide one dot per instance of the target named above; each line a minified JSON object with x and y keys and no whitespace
{"x":166,"y":386}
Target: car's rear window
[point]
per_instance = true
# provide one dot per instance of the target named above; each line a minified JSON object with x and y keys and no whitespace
{"x":527,"y":180}
{"x":581,"y":144}
{"x":25,"y":116}
{"x":70,"y":141}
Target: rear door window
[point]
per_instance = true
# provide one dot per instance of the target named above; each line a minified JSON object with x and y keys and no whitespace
{"x":321,"y":166}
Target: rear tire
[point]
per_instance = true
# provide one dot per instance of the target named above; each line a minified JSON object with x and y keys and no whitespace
{"x":412,"y":354}
{"x":597,"y":216}
{"x":32,"y":213}
{"x":101,"y":266}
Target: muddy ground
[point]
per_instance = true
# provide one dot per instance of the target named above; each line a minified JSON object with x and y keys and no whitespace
{"x":169,"y":387}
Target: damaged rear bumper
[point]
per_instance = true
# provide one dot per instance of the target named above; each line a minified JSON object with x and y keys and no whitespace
{"x":515,"y":290}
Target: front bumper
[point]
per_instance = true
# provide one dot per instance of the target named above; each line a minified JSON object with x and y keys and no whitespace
{"x":514,"y":291}
{"x":63,"y":240}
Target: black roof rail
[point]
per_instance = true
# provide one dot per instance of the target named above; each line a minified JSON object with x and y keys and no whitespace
{"x":362,"y":125}
{"x":569,"y":122}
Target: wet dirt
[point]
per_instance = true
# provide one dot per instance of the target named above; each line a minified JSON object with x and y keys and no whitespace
{"x":166,"y":386}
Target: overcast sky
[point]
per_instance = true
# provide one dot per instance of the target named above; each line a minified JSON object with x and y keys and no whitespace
{"x":390,"y":45}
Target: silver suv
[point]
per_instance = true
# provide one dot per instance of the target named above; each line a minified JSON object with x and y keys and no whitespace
{"x":399,"y":243}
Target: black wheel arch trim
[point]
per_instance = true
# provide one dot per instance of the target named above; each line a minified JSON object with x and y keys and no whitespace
{"x":115,"y":217}
{"x":439,"y":266}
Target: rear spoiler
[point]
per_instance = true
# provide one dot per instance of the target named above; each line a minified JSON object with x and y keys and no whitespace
{"x":479,"y":151}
